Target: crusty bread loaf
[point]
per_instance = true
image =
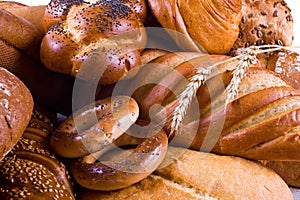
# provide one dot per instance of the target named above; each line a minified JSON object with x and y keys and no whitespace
{"x":20,"y":33}
{"x":287,"y":170}
{"x":16,"y":106}
{"x":33,"y":14}
{"x":242,"y":121}
{"x":31,"y":170}
{"x":265,"y":22}
{"x":193,"y":21}
{"x":287,"y":65}
{"x":197,"y":175}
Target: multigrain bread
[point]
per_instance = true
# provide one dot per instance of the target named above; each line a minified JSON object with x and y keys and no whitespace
{"x":31,"y":170}
{"x":265,"y":22}
{"x":16,"y":106}
{"x":190,"y":174}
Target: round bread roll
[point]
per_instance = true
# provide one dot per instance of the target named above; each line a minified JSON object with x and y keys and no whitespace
{"x":31,"y":170}
{"x":265,"y":22}
{"x":16,"y":106}
{"x":197,"y":175}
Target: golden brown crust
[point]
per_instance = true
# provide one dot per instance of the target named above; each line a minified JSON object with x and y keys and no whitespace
{"x":265,"y":22}
{"x":117,"y":174}
{"x":110,"y":35}
{"x":287,"y":170}
{"x":33,"y":14}
{"x":197,"y":175}
{"x":20,"y":33}
{"x":224,"y":16}
{"x":16,"y":108}
{"x":31,"y":170}
{"x":287,"y":65}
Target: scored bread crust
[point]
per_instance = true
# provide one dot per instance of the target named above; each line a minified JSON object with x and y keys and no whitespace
{"x":197,"y":175}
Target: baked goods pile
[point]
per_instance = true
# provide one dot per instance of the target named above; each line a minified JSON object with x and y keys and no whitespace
{"x":218,"y":118}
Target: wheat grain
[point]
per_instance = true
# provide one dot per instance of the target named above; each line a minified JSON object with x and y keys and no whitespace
{"x":246,"y":57}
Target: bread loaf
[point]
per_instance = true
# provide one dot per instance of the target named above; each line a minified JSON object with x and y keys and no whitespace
{"x":197,"y":175}
{"x":48,"y":88}
{"x":263,"y":100}
{"x":210,"y":26}
{"x":25,"y":38}
{"x":31,"y":170}
{"x":287,"y":65}
{"x":33,"y":14}
{"x":103,"y":39}
{"x":16,"y":106}
{"x":287,"y":170}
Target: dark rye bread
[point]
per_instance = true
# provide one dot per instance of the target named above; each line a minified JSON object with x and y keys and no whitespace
{"x":265,"y":22}
{"x":16,"y":106}
{"x":31,"y":170}
{"x":197,"y":175}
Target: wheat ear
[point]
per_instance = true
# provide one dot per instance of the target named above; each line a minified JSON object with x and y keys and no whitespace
{"x":202,"y":74}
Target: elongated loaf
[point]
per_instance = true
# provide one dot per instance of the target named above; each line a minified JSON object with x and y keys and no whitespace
{"x":260,"y":123}
{"x":196,"y":175}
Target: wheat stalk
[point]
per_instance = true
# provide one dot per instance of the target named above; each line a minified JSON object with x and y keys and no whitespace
{"x":247,"y":56}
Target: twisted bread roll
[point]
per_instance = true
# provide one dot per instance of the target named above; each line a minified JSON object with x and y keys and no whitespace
{"x":212,"y":26}
{"x":197,"y":175}
{"x":16,"y":106}
{"x":103,"y":39}
{"x":31,"y":170}
{"x":91,"y":130}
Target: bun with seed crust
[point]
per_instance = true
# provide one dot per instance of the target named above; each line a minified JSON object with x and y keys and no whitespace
{"x":31,"y":170}
{"x":265,"y":22}
{"x":100,"y":40}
